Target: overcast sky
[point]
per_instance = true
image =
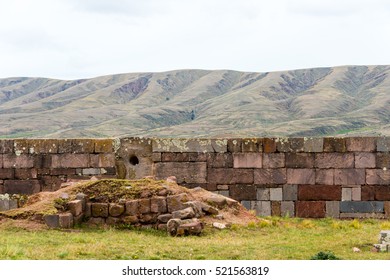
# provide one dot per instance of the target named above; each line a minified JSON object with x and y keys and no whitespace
{"x":71,"y":39}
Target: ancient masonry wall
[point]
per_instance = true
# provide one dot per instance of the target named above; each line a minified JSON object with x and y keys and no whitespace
{"x":304,"y":177}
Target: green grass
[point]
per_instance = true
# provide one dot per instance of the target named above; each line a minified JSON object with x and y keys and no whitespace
{"x":277,"y":238}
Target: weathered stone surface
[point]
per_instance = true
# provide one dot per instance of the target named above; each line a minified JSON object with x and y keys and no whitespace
{"x":334,"y":160}
{"x":368,"y":193}
{"x":276,"y":194}
{"x":310,"y":209}
{"x":194,"y":228}
{"x":223,"y":187}
{"x":234,"y":145}
{"x":6,"y":146}
{"x":335,"y":145}
{"x":383,"y":144}
{"x":176,"y":202}
{"x":75,"y":207}
{"x":290,"y":192}
{"x":219,"y":225}
{"x":382,"y":160}
{"x":7,"y":173}
{"x":247,"y":160}
{"x":52,"y":221}
{"x":242,"y":192}
{"x":197,"y":207}
{"x":324,"y":176}
{"x":301,"y":176}
{"x":209,"y":209}
{"x":15,"y":161}
{"x":96,"y":221}
{"x":247,"y":204}
{"x":13,"y":204}
{"x":349,"y":176}
{"x":219,"y":160}
{"x":190,"y":145}
{"x":313,"y":145}
{"x":186,"y":213}
{"x":319,"y":192}
{"x":333,"y":209}
{"x":252,"y":145}
{"x":386,"y":207}
{"x":300,"y":160}
{"x":218,"y":201}
{"x":99,"y":210}
{"x":4,"y":204}
{"x":290,"y":145}
{"x":273,"y":160}
{"x":164,"y":218}
{"x":70,"y":161}
{"x":112,"y":221}
{"x":144,"y":206}
{"x":230,"y":176}
{"x":269,"y":145}
{"x":373,"y":215}
{"x":384,"y":236}
{"x":263,"y":194}
{"x":263,"y":208}
{"x":133,"y":219}
{"x":270,"y":176}
{"x":88,"y":210}
{"x":158,"y":204}
{"x":361,"y":144}
{"x":365,"y":160}
{"x":346,"y":194}
{"x":25,"y":173}
{"x":65,"y":220}
{"x":287,"y":208}
{"x":22,"y":186}
{"x":115,"y":210}
{"x":104,"y":145}
{"x":185,"y":172}
{"x":361,"y":206}
{"x":276,"y":208}
{"x":356,"y":193}
{"x":148,"y":218}
{"x":156,"y":157}
{"x":51,"y":183}
{"x":90,"y":171}
{"x":382,"y":193}
{"x":377,"y":177}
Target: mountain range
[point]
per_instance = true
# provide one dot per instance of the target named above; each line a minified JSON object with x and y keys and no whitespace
{"x":332,"y":101}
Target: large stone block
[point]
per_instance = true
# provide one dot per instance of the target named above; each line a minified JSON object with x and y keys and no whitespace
{"x":346,"y":194}
{"x":65,"y":220}
{"x":383,"y":144}
{"x":290,"y":192}
{"x":102,"y":160}
{"x":335,"y":145}
{"x":247,"y":160}
{"x":349,"y":176}
{"x":75,"y":207}
{"x":289,"y":144}
{"x":365,"y":160}
{"x":51,"y":183}
{"x":4,"y":205}
{"x":185,"y":172}
{"x":234,"y":145}
{"x":274,"y":160}
{"x":276,"y":194}
{"x":324,"y":176}
{"x":357,"y":193}
{"x":190,"y":145}
{"x":334,"y":160}
{"x":313,"y":145}
{"x":310,"y":209}
{"x":176,"y":202}
{"x":70,"y":161}
{"x":382,"y":193}
{"x":104,"y":145}
{"x":7,"y":173}
{"x":158,"y":205}
{"x":361,"y":144}
{"x":333,"y":209}
{"x":368,"y":193}
{"x":300,"y":160}
{"x":18,"y":161}
{"x":144,"y":206}
{"x":82,"y":146}
{"x":276,"y":208}
{"x":115,"y":209}
{"x":377,"y":177}
{"x":131,"y":207}
{"x":270,"y":176}
{"x":99,"y":210}
{"x":319,"y":192}
{"x":43,"y":146}
{"x":361,"y":206}
{"x":230,"y":176}
{"x":263,"y":208}
{"x":243,"y":192}
{"x":287,"y":208}
{"x":219,"y":160}
{"x":252,"y":145}
{"x":52,"y":221}
{"x":26,"y":173}
{"x":263,"y":193}
{"x":300,"y":176}
{"x":6,"y":146}
{"x":269,"y":145}
{"x":382,"y":160}
{"x":22,"y":186}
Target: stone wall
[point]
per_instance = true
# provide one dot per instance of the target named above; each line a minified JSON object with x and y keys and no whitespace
{"x":304,"y":177}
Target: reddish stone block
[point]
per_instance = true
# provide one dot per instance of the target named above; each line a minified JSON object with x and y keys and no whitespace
{"x":156,"y":157}
{"x":319,"y":192}
{"x":325,"y":176}
{"x":276,"y":208}
{"x":300,"y":160}
{"x":382,"y":193}
{"x":158,"y":204}
{"x":361,"y":144}
{"x":51,"y":183}
{"x":180,"y":157}
{"x":383,"y":160}
{"x":22,"y":186}
{"x":199,"y":157}
{"x":131,"y":207}
{"x":269,"y":145}
{"x":65,"y":220}
{"x":247,"y":160}
{"x":334,"y":160}
{"x":6,"y":146}
{"x":1,"y":161}
{"x":270,"y":176}
{"x":219,"y":160}
{"x":229,"y":176}
{"x":301,"y":176}
{"x":70,"y":161}
{"x":104,"y":145}
{"x":62,"y":171}
{"x":290,"y":145}
{"x":377,"y":177}
{"x":234,"y":145}
{"x":24,"y":174}
{"x":335,"y":145}
{"x":273,"y":160}
{"x":185,"y":172}
{"x":7,"y":173}
{"x":106,"y":160}
{"x":365,"y":160}
{"x":310,"y":209}
{"x":144,"y":206}
{"x":21,"y":161}
{"x":252,"y":145}
{"x":349,"y":176}
{"x":243,"y":192}
{"x":368,"y":193}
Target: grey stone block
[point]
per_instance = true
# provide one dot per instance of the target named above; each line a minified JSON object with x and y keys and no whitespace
{"x":263,"y":208}
{"x":383,"y":144}
{"x":4,"y":205}
{"x":66,"y":220}
{"x":290,"y":192}
{"x":333,"y":209}
{"x":91,"y":171}
{"x":276,"y":194}
{"x":246,"y":204}
{"x":346,"y":194}
{"x":13,"y":204}
{"x":362,"y":216}
{"x":287,"y":208}
{"x":263,"y":194}
{"x":52,"y":221}
{"x":313,"y":145}
{"x":224,"y":193}
{"x":361,"y":206}
{"x":384,"y":236}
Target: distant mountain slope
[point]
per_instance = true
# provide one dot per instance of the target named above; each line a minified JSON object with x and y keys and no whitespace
{"x":200,"y":103}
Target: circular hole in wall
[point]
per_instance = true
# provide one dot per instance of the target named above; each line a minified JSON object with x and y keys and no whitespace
{"x":134,"y":160}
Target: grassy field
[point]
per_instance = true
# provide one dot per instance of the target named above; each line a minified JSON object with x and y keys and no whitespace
{"x":273,"y":238}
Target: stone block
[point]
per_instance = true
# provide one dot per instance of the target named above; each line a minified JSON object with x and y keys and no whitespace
{"x":64,"y":146}
{"x":346,"y":194}
{"x":156,"y":157}
{"x":382,"y":193}
{"x":234,"y":145}
{"x":335,"y":145}
{"x":130,"y":220}
{"x":319,"y":192}
{"x":310,"y":209}
{"x":252,"y":145}
{"x":313,"y":145}
{"x":112,"y":221}
{"x":300,"y":160}
{"x":368,"y":193}
{"x":4,"y":205}
{"x":177,"y":157}
{"x":115,"y":210}
{"x":333,"y":209}
{"x":65,"y":220}
{"x":334,"y":160}
{"x":287,"y":209}
{"x":88,"y":210}
{"x":263,"y":208}
{"x":300,"y":176}
{"x":96,"y":221}
{"x":150,"y":218}
{"x":90,"y":171}
{"x":6,"y":146}
{"x":104,"y":145}
{"x":247,"y":160}
{"x":276,"y":208}
{"x":18,"y":161}
{"x":361,"y":206}
{"x":176,"y":202}
{"x":190,"y":145}
{"x":62,"y":171}
{"x":164,"y":218}
{"x":13,"y":204}
{"x":243,"y":192}
{"x":361,"y":144}
{"x":158,"y":204}
{"x":383,"y":144}
{"x":356,"y":194}
{"x":324,"y":176}
{"x":52,"y":221}
{"x":263,"y":194}
{"x":81,"y":146}
{"x":51,"y":183}
{"x":144,"y":206}
{"x":99,"y":210}
{"x":290,"y":145}
{"x":75,"y":207}
{"x":230,"y":176}
{"x":377,"y":177}
{"x":365,"y":160}
{"x":21,"y":146}
{"x":70,"y":161}
{"x":22,"y":186}
{"x":270,"y":176}
{"x":43,"y":146}
{"x":7,"y":173}
{"x":186,"y":213}
{"x":219,"y":160}
{"x":290,"y":192}
{"x":362,"y":215}
{"x":102,"y":160}
{"x":276,"y":194}
{"x":383,"y":160}
{"x":274,"y":160}
{"x":386,"y":206}
{"x":247,"y":204}
{"x":26,"y":173}
{"x":185,"y":172}
{"x":349,"y":176}
{"x":269,"y":145}
{"x":223,"y":187}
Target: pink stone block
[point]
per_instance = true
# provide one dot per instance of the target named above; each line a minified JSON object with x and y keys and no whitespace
{"x":274,"y":160}
{"x":334,"y":160}
{"x":349,"y":176}
{"x":325,"y":176}
{"x":377,"y":177}
{"x":364,"y":160}
{"x":247,"y":160}
{"x":270,"y":176}
{"x":301,"y":176}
